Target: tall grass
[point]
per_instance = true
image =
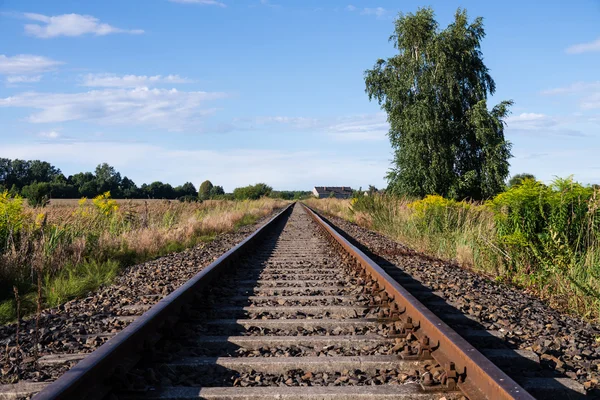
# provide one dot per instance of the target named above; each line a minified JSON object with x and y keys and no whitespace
{"x":543,"y":238}
{"x":73,"y":247}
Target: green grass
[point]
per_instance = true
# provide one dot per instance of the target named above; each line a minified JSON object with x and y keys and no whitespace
{"x":247,"y":219}
{"x":8,"y":308}
{"x":8,"y":311}
{"x":207,"y":238}
{"x":74,"y":282}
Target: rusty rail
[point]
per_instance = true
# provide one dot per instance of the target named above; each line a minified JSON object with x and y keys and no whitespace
{"x":470,"y":370}
{"x":466,"y":368}
{"x":91,"y":377}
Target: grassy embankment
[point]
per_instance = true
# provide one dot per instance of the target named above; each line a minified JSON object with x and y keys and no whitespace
{"x":72,"y":247}
{"x":545,"y":239}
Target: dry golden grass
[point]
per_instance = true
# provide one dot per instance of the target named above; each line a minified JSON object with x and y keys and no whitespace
{"x":55,"y":241}
{"x":185,"y":222}
{"x":337,"y":207}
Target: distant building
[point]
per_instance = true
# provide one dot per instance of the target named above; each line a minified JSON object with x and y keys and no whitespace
{"x":339,"y":192}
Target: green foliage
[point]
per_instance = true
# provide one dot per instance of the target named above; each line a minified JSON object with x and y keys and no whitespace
{"x":543,"y":237}
{"x":440,"y":215}
{"x":14,"y":191}
{"x":252,"y":192}
{"x":73,"y":282}
{"x":19,"y":173}
{"x":434,"y":92}
{"x":8,"y":311}
{"x":12,"y":218}
{"x":189,"y":199}
{"x":37,"y":180}
{"x":8,"y":308}
{"x":216,"y":191}
{"x":541,"y":223}
{"x":105,"y":204}
{"x":247,"y":219}
{"x":185,"y":190}
{"x":85,"y":184}
{"x":158,"y":190}
{"x":519,"y":178}
{"x":225,"y":196}
{"x":37,"y":194}
{"x":107,"y":179}
{"x":205,"y":189}
{"x":520,"y":212}
{"x":290,"y":195}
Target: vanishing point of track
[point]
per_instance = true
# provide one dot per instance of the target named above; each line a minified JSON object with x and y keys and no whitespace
{"x":294,"y":311}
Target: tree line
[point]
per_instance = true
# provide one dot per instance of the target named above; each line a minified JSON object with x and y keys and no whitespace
{"x":37,"y":178}
{"x":39,"y":181}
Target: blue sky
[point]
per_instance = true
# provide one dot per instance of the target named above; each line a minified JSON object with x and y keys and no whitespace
{"x":245,"y":91}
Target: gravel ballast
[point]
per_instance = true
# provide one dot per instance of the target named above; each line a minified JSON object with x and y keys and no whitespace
{"x":82,"y":325}
{"x":566,"y":345}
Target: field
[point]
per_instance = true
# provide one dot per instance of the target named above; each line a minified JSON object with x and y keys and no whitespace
{"x":544,"y":239}
{"x":70,"y":247}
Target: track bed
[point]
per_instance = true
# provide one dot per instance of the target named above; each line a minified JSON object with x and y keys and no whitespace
{"x":297,"y":312}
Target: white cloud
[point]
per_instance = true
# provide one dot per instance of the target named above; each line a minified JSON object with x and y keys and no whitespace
{"x":15,"y":79}
{"x":161,"y":108}
{"x":584,"y":47}
{"x":49,"y":134}
{"x":113,"y":80}
{"x":294,"y":122}
{"x":267,"y":3}
{"x":367,"y":127}
{"x":542,"y":125}
{"x":142,"y":162}
{"x":70,"y":25}
{"x":378,"y":11}
{"x":591,"y":102}
{"x":22,"y":64}
{"x":202,"y":2}
{"x":589,"y":93}
{"x":576,"y":87}
{"x":530,"y":121}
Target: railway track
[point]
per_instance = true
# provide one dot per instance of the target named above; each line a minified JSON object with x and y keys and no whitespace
{"x":294,"y":311}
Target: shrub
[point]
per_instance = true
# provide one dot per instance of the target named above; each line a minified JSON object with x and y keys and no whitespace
{"x":535,"y":221}
{"x":439,"y":215}
{"x":37,"y":194}
{"x":546,"y":238}
{"x":519,"y":178}
{"x":216,"y":191}
{"x":252,"y":192}
{"x":105,"y":204}
{"x":189,"y":199}
{"x":12,"y":218}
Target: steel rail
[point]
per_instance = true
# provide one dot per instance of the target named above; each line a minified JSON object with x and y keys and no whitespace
{"x":477,"y":376}
{"x":93,"y":376}
{"x":96,"y":375}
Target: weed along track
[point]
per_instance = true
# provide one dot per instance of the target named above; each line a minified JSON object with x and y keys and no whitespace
{"x":295,"y":311}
